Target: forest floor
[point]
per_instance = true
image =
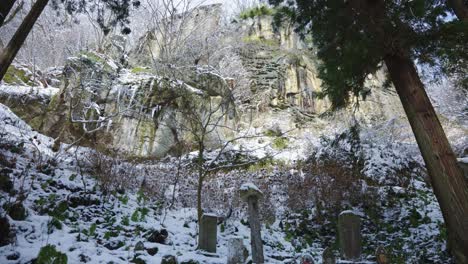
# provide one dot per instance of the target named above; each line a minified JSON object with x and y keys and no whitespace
{"x":66,"y":206}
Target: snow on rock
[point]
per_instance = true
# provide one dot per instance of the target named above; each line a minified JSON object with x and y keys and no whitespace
{"x":27,"y":92}
{"x":249,"y":186}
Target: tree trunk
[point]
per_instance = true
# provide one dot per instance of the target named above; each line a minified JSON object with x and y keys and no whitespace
{"x":199,"y":194}
{"x":460,"y":9}
{"x":10,"y":51}
{"x":5,"y":8}
{"x":201,"y":176}
{"x":448,"y":182}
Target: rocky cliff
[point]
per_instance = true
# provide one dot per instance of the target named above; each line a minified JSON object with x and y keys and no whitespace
{"x":135,"y":106}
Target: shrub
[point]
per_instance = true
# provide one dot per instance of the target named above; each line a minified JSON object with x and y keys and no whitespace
{"x":257,"y":11}
{"x":49,"y":255}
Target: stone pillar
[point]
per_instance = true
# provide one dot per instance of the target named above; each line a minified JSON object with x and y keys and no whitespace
{"x":381,"y":255}
{"x":251,"y":194}
{"x":463,"y":163}
{"x":208,"y":232}
{"x":328,"y":256}
{"x":237,"y":253}
{"x":349,"y":233}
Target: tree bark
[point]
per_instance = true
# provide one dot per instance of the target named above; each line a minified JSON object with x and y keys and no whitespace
{"x":10,"y":51}
{"x":448,"y":182}
{"x":5,"y":8}
{"x":201,"y":176}
{"x":460,"y":9}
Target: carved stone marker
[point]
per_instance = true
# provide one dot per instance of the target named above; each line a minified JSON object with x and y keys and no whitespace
{"x":463,"y":163}
{"x":251,"y":194}
{"x":349,"y":233}
{"x":208,"y":232}
{"x":237,"y":253}
{"x":307,"y":259}
{"x":328,"y":256}
{"x":381,"y":255}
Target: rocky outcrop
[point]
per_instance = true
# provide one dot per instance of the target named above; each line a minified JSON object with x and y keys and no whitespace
{"x":136,"y":111}
{"x":104,"y":106}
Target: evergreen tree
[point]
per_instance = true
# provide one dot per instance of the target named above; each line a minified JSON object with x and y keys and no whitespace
{"x":354,"y":37}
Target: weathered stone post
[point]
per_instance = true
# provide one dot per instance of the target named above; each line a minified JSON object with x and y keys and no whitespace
{"x":381,"y":255}
{"x":237,"y":253}
{"x":251,"y":194}
{"x":349,"y":233}
{"x":328,"y":256}
{"x":208,"y":232}
{"x":463,"y":163}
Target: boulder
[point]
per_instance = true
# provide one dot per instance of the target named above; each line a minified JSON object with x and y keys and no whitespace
{"x":237,"y":252}
{"x":169,"y":259}
{"x":5,"y":231}
{"x":158,"y":236}
{"x":17,"y":212}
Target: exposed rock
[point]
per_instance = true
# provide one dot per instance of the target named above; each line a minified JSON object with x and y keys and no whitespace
{"x":190,"y":261}
{"x":6,"y":184}
{"x":75,"y":200}
{"x":13,"y":256}
{"x":137,"y":260}
{"x":237,"y":252}
{"x":17,"y":212}
{"x":114,"y":244}
{"x":152,"y":251}
{"x":139,"y":246}
{"x":5,"y":231}
{"x":169,"y":259}
{"x":158,"y":236}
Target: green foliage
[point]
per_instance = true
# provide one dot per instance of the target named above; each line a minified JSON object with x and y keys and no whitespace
{"x":18,"y":76}
{"x":49,"y":255}
{"x":92,"y":230}
{"x":125,"y":220}
{"x":123,"y":199}
{"x":135,"y":216}
{"x":141,"y":198}
{"x":141,"y":70}
{"x":280,"y":143}
{"x":54,"y":223}
{"x":261,"y":10}
{"x":143,"y":213}
{"x":351,"y":44}
{"x":59,"y":211}
{"x":72,"y":177}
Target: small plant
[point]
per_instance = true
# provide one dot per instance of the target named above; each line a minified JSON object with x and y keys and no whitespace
{"x":123,"y":199}
{"x":143,"y":213}
{"x":92,"y":230}
{"x":54,"y":223}
{"x":49,"y":255}
{"x":257,"y":11}
{"x":135,"y":216}
{"x":280,"y":143}
{"x":125,"y":220}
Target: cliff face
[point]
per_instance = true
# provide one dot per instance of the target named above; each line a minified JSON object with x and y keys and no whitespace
{"x":137,"y":111}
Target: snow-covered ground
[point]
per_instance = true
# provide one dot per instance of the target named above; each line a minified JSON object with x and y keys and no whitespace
{"x":67,"y":207}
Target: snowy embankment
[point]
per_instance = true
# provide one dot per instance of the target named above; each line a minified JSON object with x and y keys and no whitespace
{"x":87,"y":225}
{"x":68,"y":208}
